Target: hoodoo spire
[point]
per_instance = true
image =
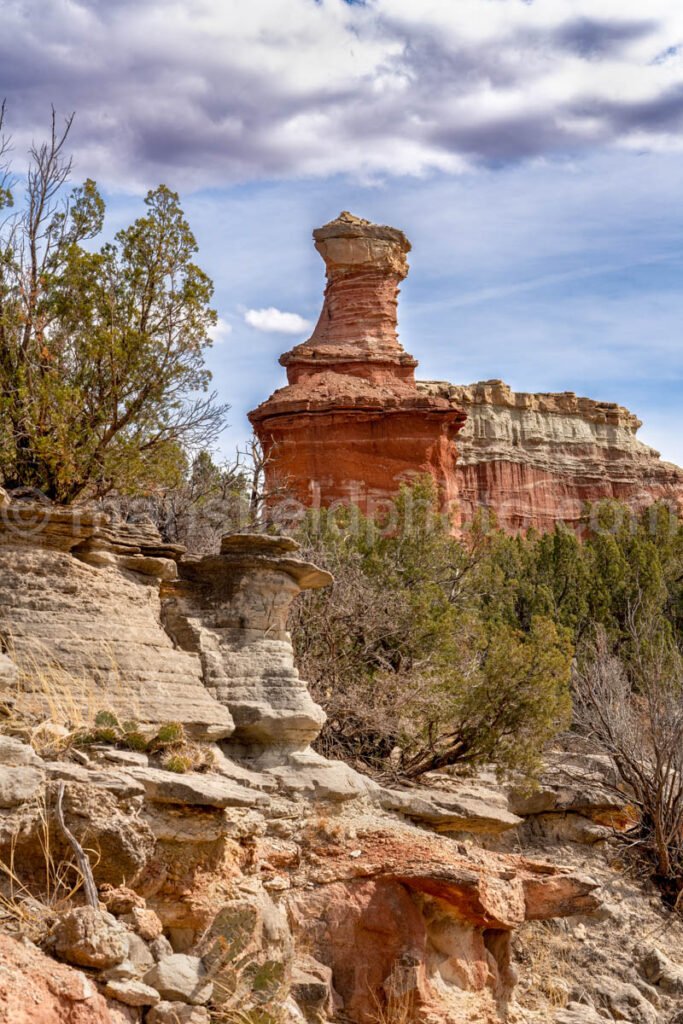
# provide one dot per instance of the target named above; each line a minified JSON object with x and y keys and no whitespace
{"x":351,"y":424}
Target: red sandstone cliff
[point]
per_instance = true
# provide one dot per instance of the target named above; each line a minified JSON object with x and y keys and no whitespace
{"x":351,"y":424}
{"x":536,"y":459}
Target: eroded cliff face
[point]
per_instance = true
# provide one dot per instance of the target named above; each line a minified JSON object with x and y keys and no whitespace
{"x":537,"y":459}
{"x":351,"y":424}
{"x":274,"y":881}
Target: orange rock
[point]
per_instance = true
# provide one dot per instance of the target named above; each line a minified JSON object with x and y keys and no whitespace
{"x":351,"y":425}
{"x":36,"y":990}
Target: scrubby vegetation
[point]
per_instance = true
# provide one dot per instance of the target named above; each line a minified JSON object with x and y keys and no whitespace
{"x":101,"y":349}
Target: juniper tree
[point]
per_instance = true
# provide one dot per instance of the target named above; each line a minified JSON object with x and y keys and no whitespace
{"x":102,"y":376}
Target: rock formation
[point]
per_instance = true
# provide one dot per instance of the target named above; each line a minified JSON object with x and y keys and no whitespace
{"x":271,"y":879}
{"x":351,"y":424}
{"x":537,"y":459}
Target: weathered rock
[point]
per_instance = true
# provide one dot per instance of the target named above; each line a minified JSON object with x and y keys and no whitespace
{"x":132,"y":992}
{"x":90,"y":938}
{"x":160,"y":948}
{"x":579,"y":1013}
{"x":120,"y":899}
{"x":232,"y":609}
{"x":144,"y":922}
{"x":536,"y":459}
{"x":120,"y":972}
{"x":194,"y":790}
{"x":181,"y":978}
{"x":177,"y":1013}
{"x":623,"y":1001}
{"x":312,"y":988}
{"x":659,"y":970}
{"x":36,"y":990}
{"x":90,"y":634}
{"x":19,"y":784}
{"x":13,"y":752}
{"x":139,"y":953}
{"x":309,"y":775}
{"x":351,"y":424}
{"x":450,"y":812}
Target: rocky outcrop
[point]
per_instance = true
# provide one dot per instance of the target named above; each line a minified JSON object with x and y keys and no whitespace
{"x":101,"y":615}
{"x":273,"y":877}
{"x":537,"y":459}
{"x":351,"y":425}
{"x":231,"y":610}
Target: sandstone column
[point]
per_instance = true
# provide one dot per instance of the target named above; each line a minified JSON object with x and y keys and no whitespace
{"x":351,"y":424}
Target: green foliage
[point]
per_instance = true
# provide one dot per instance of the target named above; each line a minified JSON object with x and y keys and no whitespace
{"x":101,"y":349}
{"x":424,"y":654}
{"x":431,"y":651}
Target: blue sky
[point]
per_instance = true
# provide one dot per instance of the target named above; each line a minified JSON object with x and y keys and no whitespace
{"x":532,"y":150}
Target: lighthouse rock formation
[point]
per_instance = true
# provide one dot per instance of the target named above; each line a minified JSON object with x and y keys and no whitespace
{"x":351,"y":424}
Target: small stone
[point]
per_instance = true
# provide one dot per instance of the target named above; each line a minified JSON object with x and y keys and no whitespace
{"x":120,"y":972}
{"x":177,"y":1013}
{"x":145,"y":922}
{"x":181,"y":978}
{"x":139,"y":953}
{"x":90,"y":938}
{"x":160,"y":948}
{"x":132,"y":992}
{"x":121,"y":900}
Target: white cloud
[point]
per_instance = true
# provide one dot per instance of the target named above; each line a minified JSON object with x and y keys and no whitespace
{"x":198,"y":93}
{"x":272,"y":319}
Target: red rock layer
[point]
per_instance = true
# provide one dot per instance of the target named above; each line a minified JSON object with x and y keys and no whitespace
{"x":351,"y":425}
{"x":537,"y":459}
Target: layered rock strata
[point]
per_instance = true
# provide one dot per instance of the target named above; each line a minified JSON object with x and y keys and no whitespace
{"x":79,"y":613}
{"x":351,"y":425}
{"x":101,"y":615}
{"x":538,"y":459}
{"x":231,"y":609}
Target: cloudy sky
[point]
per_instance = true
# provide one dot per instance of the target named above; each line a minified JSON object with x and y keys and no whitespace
{"x":532,"y":150}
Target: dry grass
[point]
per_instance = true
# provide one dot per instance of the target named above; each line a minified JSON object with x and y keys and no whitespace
{"x":550,"y":962}
{"x":30,"y":908}
{"x":47,"y":704}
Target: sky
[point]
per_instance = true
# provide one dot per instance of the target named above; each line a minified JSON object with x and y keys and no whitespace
{"x":532,"y":151}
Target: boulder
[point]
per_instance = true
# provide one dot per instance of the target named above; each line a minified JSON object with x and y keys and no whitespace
{"x":34,"y":989}
{"x":132,"y":992}
{"x":17,"y":785}
{"x":181,"y":978}
{"x":90,"y":938}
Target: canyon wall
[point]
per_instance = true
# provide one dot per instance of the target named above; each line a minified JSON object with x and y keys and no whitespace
{"x":537,"y":459}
